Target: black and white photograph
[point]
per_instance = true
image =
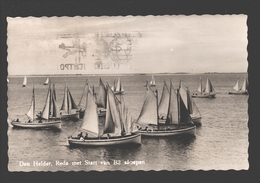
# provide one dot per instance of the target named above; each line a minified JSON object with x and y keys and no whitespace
{"x":127,"y":93}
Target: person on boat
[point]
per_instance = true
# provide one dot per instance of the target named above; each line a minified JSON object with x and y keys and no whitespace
{"x":123,"y":133}
{"x":29,"y":121}
{"x":40,"y":121}
{"x":86,"y":136}
{"x":17,"y":120}
{"x":80,"y":135}
{"x":108,"y":136}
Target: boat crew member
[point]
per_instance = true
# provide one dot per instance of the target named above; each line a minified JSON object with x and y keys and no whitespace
{"x":86,"y":136}
{"x":40,"y":121}
{"x":17,"y":120}
{"x":123,"y":133}
{"x":108,"y":135}
{"x":80,"y":135}
{"x":29,"y":121}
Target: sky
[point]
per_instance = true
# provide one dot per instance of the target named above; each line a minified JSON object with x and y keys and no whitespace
{"x":131,"y":44}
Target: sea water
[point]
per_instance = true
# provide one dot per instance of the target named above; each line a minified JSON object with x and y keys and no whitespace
{"x":221,"y":143}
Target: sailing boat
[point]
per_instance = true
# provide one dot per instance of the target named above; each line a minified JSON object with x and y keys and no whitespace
{"x":69,"y":109}
{"x":50,"y":109}
{"x":242,"y":90}
{"x":190,"y":104}
{"x":152,"y":82}
{"x":207,"y":92}
{"x":114,"y":127}
{"x":177,"y":122}
{"x":34,"y":123}
{"x":24,"y":81}
{"x":46,"y":82}
{"x":117,"y":88}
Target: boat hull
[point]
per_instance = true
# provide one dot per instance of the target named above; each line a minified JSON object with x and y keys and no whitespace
{"x":196,"y":120}
{"x":132,"y":139}
{"x":72,"y":116}
{"x":206,"y":95}
{"x":237,"y":93}
{"x":51,"y":124}
{"x":172,"y":132}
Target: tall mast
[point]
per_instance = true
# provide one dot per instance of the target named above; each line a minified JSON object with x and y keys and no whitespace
{"x":156,"y":94}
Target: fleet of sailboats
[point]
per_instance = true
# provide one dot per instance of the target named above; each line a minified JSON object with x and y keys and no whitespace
{"x":116,"y":129}
{"x":207,"y":92}
{"x":69,"y":109}
{"x":45,"y":122}
{"x":176,"y":122}
{"x":175,"y":114}
{"x":242,"y":90}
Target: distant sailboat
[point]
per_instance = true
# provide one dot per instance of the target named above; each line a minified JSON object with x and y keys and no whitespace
{"x":176,"y":122}
{"x":242,"y":90}
{"x":46,"y":82}
{"x":114,"y":127}
{"x":69,"y":109}
{"x":24,"y":81}
{"x":45,"y":122}
{"x":190,"y":104}
{"x":117,"y":88}
{"x":207,"y":92}
{"x":152,"y":82}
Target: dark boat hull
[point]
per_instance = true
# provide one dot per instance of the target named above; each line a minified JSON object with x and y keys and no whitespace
{"x":196,"y":120}
{"x":131,"y":139}
{"x":237,"y":93}
{"x":191,"y":130}
{"x":206,"y":95}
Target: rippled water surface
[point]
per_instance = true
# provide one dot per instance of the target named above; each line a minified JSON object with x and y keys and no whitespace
{"x":220,"y":143}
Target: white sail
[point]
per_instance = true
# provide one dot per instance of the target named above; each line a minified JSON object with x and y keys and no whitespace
{"x":118,"y":85}
{"x":244,"y":86}
{"x":90,"y":119}
{"x":82,"y":101}
{"x":46,"y":108}
{"x":24,"y":81}
{"x":152,"y":82}
{"x":208,"y":88}
{"x":102,"y":95}
{"x":236,"y":86}
{"x":200,"y":87}
{"x":192,"y":107}
{"x":164,"y":102}
{"x":113,"y":120}
{"x":64,"y":105}
{"x":148,"y":113}
{"x":47,"y":81}
{"x":173,"y":109}
{"x":183,"y":93}
{"x":31,"y":111}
